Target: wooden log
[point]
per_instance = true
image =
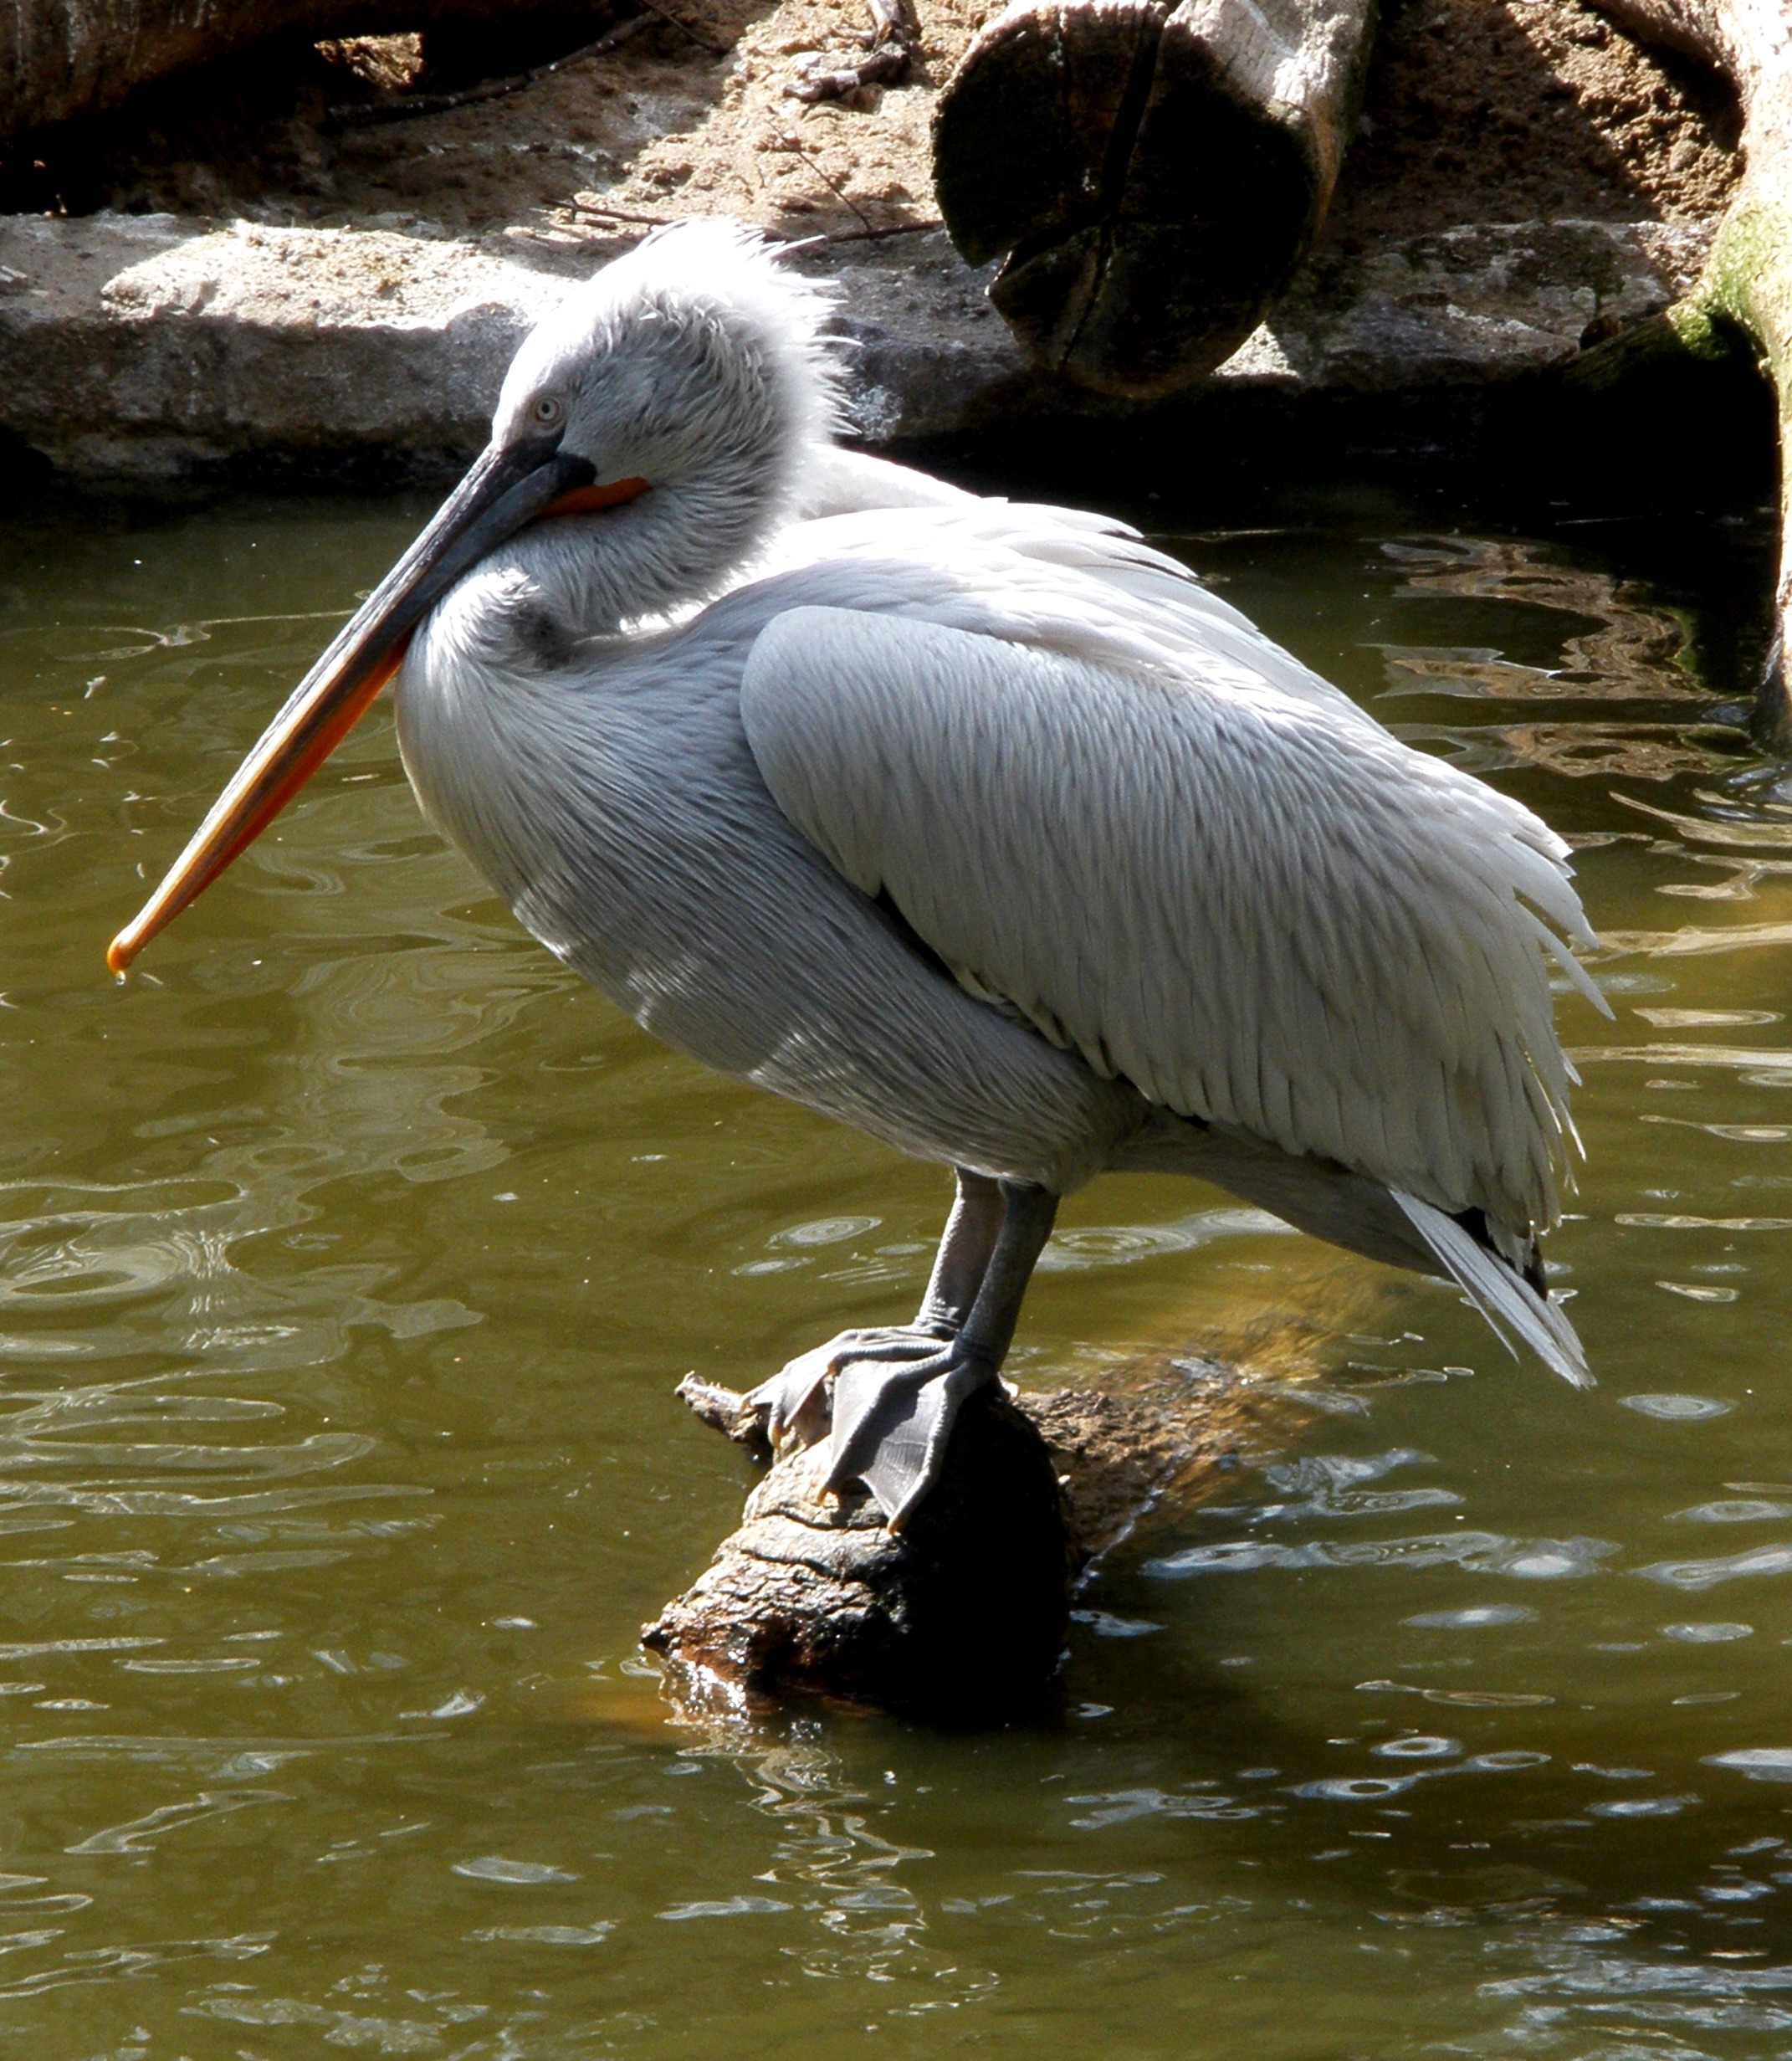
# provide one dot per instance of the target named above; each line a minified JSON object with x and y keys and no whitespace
{"x":59,"y":60}
{"x":1742,"y":299}
{"x":962,"y":1615}
{"x":1149,"y":177}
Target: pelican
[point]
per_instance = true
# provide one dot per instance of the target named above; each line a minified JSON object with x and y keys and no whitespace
{"x":984,"y":828}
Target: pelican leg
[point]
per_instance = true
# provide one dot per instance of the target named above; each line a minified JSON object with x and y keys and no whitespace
{"x":892,"y":1423}
{"x":795,"y":1399}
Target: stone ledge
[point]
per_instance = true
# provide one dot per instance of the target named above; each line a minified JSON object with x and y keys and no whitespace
{"x":158,"y":347}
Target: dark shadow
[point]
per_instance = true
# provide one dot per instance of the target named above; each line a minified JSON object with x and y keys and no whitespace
{"x":290,"y":130}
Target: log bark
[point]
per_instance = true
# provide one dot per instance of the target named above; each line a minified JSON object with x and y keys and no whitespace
{"x":1742,"y":300}
{"x":61,"y":59}
{"x":1150,"y":176}
{"x":962,"y":1617}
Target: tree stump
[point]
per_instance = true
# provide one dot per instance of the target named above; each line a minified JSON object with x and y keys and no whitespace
{"x":1742,"y":299}
{"x":1150,"y":176}
{"x":962,"y":1617}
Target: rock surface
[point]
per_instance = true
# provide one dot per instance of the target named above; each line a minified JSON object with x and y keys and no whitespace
{"x":158,"y":347}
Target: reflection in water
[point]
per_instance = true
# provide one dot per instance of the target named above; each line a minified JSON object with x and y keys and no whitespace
{"x":1637,"y":652}
{"x":1582,"y":751}
{"x":348,"y":1256}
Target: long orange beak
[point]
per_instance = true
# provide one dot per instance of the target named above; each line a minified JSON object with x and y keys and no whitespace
{"x":505,"y":489}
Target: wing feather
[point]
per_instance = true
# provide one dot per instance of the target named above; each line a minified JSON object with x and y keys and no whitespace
{"x":1260,"y":910}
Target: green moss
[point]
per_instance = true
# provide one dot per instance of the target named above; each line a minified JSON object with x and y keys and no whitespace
{"x":1699,"y":328}
{"x":1748,"y":281}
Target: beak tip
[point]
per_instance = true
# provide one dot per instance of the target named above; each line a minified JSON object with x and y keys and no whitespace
{"x":119,"y":954}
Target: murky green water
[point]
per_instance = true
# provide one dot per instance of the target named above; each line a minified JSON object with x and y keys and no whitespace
{"x":351,"y":1250}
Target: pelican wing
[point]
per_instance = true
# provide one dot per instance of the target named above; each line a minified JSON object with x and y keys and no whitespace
{"x":1260,"y":910}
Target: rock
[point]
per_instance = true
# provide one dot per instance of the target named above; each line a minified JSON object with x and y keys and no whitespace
{"x":1471,"y":306}
{"x":162,"y":347}
{"x":144,"y":345}
{"x":1743,"y":303}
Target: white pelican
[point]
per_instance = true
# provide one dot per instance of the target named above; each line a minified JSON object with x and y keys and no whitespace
{"x":984,"y":828}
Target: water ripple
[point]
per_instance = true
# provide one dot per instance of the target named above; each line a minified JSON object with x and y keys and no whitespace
{"x":1694,"y":1575}
{"x":1475,"y":1552}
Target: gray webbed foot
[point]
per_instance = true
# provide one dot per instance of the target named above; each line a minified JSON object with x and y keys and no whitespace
{"x":892,"y":1422}
{"x":795,"y":1399}
{"x":887,"y":1399}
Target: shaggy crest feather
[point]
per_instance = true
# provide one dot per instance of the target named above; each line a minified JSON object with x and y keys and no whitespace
{"x":697,"y":364}
{"x":743,"y":274}
{"x":743,"y":355}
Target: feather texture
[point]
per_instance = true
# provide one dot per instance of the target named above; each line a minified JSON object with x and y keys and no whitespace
{"x":1201,"y":877}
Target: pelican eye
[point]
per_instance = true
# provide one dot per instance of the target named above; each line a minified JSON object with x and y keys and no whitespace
{"x":548,"y":410}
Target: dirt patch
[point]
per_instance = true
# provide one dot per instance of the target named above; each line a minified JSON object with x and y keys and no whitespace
{"x":1478,"y":110}
{"x":1514,"y":110}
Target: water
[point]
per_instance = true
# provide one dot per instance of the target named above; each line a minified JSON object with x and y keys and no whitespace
{"x":351,"y":1251}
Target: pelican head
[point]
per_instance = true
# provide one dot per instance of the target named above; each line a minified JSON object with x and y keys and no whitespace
{"x":649,"y":434}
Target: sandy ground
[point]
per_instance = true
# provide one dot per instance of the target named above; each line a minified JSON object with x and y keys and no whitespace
{"x":1477,"y":110}
{"x":1510,"y":110}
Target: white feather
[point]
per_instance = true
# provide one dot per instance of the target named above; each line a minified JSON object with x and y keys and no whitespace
{"x":1510,"y":1305}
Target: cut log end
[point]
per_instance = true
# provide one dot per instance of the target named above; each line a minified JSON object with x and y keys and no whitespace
{"x":1140,"y":175}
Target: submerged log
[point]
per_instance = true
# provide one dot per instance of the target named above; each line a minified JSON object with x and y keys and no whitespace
{"x":1742,"y":299}
{"x":1150,"y":176}
{"x":963,"y":1615}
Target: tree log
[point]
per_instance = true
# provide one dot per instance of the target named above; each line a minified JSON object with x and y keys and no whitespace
{"x":1150,"y":176}
{"x":962,"y":1617}
{"x":1742,"y":299}
{"x":59,"y":60}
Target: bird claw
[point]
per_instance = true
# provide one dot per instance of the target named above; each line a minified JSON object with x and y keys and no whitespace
{"x":797,"y":1399}
{"x":892,"y":1423}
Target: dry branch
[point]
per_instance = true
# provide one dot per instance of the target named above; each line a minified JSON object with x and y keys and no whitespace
{"x":890,"y":44}
{"x":963,"y":1614}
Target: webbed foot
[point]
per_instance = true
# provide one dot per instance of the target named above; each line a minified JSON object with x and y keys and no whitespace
{"x":886,"y":1399}
{"x":891,"y":1422}
{"x":796,"y":1398}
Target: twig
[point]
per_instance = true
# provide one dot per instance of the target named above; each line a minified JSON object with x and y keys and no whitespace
{"x":865,"y":235}
{"x":625,"y":32}
{"x":625,"y":214}
{"x":415,"y":105}
{"x":891,"y":43}
{"x":876,"y":236}
{"x":684,"y":29}
{"x":794,"y":146}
